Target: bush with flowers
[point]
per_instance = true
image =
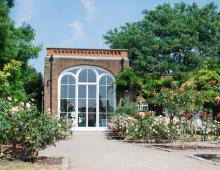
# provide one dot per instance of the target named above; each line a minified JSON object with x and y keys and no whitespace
{"x":147,"y":127}
{"x":118,"y":125}
{"x":143,"y":126}
{"x":27,"y":130}
{"x":209,"y":129}
{"x":150,"y":128}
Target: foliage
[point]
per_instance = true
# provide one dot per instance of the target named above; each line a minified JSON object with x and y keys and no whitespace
{"x":181,"y":41}
{"x":127,"y":108}
{"x":171,"y":39}
{"x":207,"y":82}
{"x":171,"y":100}
{"x":21,"y":124}
{"x":33,"y":85}
{"x":174,"y":52}
{"x":11,"y":83}
{"x":16,"y":44}
{"x":10,"y":3}
{"x":128,"y":79}
{"x":118,"y":125}
{"x":199,"y":91}
{"x":150,"y":128}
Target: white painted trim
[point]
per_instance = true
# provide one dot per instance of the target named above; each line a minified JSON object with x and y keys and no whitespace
{"x":88,"y":67}
{"x":59,"y":82}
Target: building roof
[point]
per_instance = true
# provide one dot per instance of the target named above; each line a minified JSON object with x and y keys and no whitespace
{"x":87,"y":52}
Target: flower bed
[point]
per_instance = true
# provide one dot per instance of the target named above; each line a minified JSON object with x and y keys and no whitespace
{"x":149,"y":128}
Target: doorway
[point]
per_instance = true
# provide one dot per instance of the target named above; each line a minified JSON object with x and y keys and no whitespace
{"x":87,"y":105}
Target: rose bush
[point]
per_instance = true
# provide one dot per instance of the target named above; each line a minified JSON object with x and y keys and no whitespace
{"x":150,"y":128}
{"x":21,"y":125}
{"x":147,"y":128}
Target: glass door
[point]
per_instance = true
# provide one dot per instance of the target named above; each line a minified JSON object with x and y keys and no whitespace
{"x":82,"y":106}
{"x":87,"y":105}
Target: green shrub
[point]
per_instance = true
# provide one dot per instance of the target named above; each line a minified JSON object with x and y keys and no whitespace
{"x":27,"y":128}
{"x":127,"y":108}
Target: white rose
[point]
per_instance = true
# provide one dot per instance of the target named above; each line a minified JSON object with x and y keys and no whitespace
{"x":28,"y":105}
{"x":22,"y":104}
{"x":14,"y":110}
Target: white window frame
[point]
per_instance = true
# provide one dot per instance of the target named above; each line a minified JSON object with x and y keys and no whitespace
{"x":77,"y":83}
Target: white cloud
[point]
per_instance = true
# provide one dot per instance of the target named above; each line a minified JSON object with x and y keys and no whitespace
{"x":77,"y":33}
{"x":24,"y":11}
{"x":90,"y":8}
{"x":77,"y":29}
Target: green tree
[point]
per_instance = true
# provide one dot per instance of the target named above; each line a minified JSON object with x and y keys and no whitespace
{"x":207,"y":83}
{"x":171,"y":39}
{"x":33,"y":86}
{"x":9,"y":78}
{"x":16,"y":44}
{"x":128,"y":79}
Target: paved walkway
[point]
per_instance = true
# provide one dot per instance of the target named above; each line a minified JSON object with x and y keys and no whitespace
{"x":92,"y":151}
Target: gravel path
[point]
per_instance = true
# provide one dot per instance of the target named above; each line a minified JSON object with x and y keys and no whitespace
{"x":92,"y":151}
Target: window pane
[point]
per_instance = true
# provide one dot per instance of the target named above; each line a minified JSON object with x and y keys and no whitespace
{"x":110,"y":91}
{"x":63,"y":115}
{"x":64,"y":79}
{"x":91,"y":105}
{"x":91,"y":76}
{"x":102,"y":81}
{"x":92,"y":91}
{"x":82,"y":91}
{"x":71,"y":80}
{"x":102,"y":120}
{"x":102,"y":92}
{"x":71,"y":91}
{"x":109,"y":80}
{"x":110,"y":106}
{"x":92,"y":120}
{"x":109,"y":116}
{"x":74,"y":71}
{"x":83,"y":76}
{"x":81,"y":119}
{"x":63,"y":105}
{"x":63,"y":91}
{"x":82,"y":105}
{"x":100,"y":71}
{"x":102,"y":105}
{"x":71,"y":105}
{"x":69,"y":118}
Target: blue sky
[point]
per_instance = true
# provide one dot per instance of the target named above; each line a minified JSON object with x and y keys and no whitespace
{"x":79,"y":23}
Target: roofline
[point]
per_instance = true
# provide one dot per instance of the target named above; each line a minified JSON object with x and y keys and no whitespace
{"x":87,"y":52}
{"x":103,"y":49}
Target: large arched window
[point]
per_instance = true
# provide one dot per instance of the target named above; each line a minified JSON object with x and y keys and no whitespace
{"x":87,"y":93}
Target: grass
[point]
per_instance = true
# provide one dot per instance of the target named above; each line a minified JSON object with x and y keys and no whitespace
{"x":19,"y":165}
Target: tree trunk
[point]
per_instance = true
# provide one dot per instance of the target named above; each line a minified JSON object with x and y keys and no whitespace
{"x":1,"y":151}
{"x":14,"y":148}
{"x":195,"y":137}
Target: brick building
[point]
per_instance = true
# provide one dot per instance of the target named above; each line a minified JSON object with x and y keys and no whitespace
{"x":79,"y":84}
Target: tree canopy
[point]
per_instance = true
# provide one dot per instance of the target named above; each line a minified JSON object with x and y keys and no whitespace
{"x":175,"y":56}
{"x":171,"y":38}
{"x":16,"y":43}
